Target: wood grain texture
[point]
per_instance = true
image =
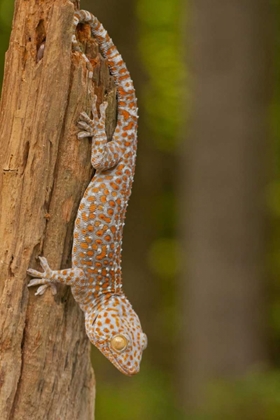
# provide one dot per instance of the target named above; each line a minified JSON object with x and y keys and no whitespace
{"x":45,"y":370}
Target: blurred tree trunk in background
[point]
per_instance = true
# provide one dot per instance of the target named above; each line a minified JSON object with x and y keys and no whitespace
{"x":223,"y":193}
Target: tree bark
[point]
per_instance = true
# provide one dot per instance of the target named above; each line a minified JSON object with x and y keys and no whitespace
{"x":45,"y":370}
{"x":224,"y":209}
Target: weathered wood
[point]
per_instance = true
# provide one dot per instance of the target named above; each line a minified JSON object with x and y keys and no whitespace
{"x":45,"y":370}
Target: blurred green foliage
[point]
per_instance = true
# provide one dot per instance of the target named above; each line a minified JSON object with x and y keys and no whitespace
{"x":163,"y":257}
{"x":6,"y":13}
{"x":162,"y":53}
{"x":146,"y":397}
{"x":163,"y":100}
{"x":254,"y":397}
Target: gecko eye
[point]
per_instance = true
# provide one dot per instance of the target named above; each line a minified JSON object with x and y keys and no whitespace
{"x":119,"y":343}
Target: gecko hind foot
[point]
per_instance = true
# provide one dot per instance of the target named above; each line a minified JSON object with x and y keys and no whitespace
{"x":91,"y":126}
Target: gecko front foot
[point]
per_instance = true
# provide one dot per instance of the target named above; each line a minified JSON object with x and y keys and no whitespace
{"x":43,"y":279}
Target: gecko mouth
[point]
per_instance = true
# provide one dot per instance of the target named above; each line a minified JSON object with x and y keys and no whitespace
{"x":113,"y":359}
{"x":104,"y":348}
{"x":119,"y":366}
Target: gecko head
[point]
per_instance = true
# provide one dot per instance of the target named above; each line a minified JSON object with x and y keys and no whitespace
{"x":116,"y":331}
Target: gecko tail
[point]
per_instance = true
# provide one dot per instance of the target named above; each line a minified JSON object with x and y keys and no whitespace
{"x":118,"y":69}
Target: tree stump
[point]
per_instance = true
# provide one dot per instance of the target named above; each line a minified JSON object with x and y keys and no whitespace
{"x":45,"y":370}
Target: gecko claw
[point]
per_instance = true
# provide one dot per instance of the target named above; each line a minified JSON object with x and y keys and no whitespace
{"x":33,"y":273}
{"x":45,"y":266}
{"x":53,"y":289}
{"x":83,"y":124}
{"x":87,"y":125}
{"x":83,"y":134}
{"x":84,"y":117}
{"x":36,"y":282}
{"x":41,"y":290}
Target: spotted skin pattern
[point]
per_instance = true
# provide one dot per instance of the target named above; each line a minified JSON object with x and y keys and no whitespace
{"x":96,"y":276}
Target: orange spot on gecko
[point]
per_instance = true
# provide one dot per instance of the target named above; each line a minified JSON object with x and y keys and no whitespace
{"x":125,"y":114}
{"x":102,"y":254}
{"x":114,"y":185}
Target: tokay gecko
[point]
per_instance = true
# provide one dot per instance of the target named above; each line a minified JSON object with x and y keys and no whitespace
{"x":96,"y":277}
